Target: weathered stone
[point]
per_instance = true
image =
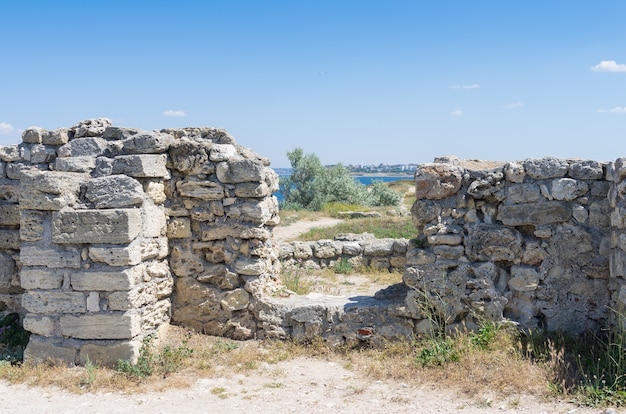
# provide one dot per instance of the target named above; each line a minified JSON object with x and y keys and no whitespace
{"x":235,"y":300}
{"x":9,"y":214}
{"x":492,"y":243}
{"x":106,"y":279}
{"x":523,"y":279}
{"x":84,"y":164}
{"x":523,"y":193}
{"x":33,"y":135}
{"x":53,"y":257}
{"x":250,"y":266}
{"x":41,"y":278}
{"x":84,"y":147}
{"x":41,"y":350}
{"x":8,"y":272}
{"x":258,"y":212}
{"x":183,"y":262}
{"x":117,"y":226}
{"x":57,"y":137}
{"x":155,"y":190}
{"x":119,"y":133}
{"x":599,"y":214}
{"x":545,"y":168}
{"x":49,"y":190}
{"x":42,"y":154}
{"x":39,"y":325}
{"x":141,"y":166}
{"x":108,"y":355}
{"x":179,"y":228}
{"x":567,"y":189}
{"x":450,"y":239}
{"x":31,"y":225}
{"x":223,"y":152}
{"x":437,"y":181}
{"x":252,"y":190}
{"x":10,"y":153}
{"x":117,"y":255}
{"x":378,"y":247}
{"x":240,"y":171}
{"x":324,"y":249}
{"x":90,"y":127}
{"x":54,"y":302}
{"x":514,"y":172}
{"x":242,"y":231}
{"x":546,"y":212}
{"x":586,"y":170}
{"x":114,"y":191}
{"x":101,"y":326}
{"x":190,"y":157}
{"x":147,"y":143}
{"x":220,"y":276}
{"x":205,"y":190}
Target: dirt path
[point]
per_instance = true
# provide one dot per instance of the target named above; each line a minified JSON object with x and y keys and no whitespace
{"x":284,"y":233}
{"x":296,"y":386}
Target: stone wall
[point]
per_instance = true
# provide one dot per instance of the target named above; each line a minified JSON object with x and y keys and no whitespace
{"x":94,"y":219}
{"x":529,"y":241}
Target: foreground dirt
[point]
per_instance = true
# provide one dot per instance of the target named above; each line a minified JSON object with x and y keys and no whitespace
{"x":297,"y":386}
{"x":300,"y":385}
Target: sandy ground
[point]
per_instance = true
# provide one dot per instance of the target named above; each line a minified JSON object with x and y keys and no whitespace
{"x":297,"y":386}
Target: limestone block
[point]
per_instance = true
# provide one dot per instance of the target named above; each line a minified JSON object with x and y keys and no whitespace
{"x":31,"y":225}
{"x":84,"y":164}
{"x":251,"y":266}
{"x":599,"y":214}
{"x":514,"y":172}
{"x":8,"y":272}
{"x":179,"y":228}
{"x":191,"y":158}
{"x":240,"y":171}
{"x":242,"y":231}
{"x":148,"y":142}
{"x":10,"y":153}
{"x":424,"y":212}
{"x":324,"y":249}
{"x":235,"y":300}
{"x":436,"y":181}
{"x":580,"y":214}
{"x":302,"y":250}
{"x":378,"y":247}
{"x":54,"y":302}
{"x":258,"y":212}
{"x":79,"y":147}
{"x":9,"y":214}
{"x":41,"y":278}
{"x":252,"y":190}
{"x":586,"y":170}
{"x":41,"y":350}
{"x":53,"y":257}
{"x":9,"y":239}
{"x":223,"y":152}
{"x":155,"y":190}
{"x":156,"y":247}
{"x":523,"y":279}
{"x":108,"y":355}
{"x":114,"y":191}
{"x":523,"y":193}
{"x":15,"y":170}
{"x":114,"y":325}
{"x":117,"y":226}
{"x":33,"y":135}
{"x":352,"y":248}
{"x":154,"y":220}
{"x":57,"y":137}
{"x":205,"y":190}
{"x":546,"y":212}
{"x":449,"y":239}
{"x":184,"y":262}
{"x":49,"y":190}
{"x":448,"y":252}
{"x":90,"y":127}
{"x":37,"y":325}
{"x":104,"y":166}
{"x":141,"y":166}
{"x":106,"y":279}
{"x":42,"y":154}
{"x":492,"y":243}
{"x":117,"y":255}
{"x":93,"y":302}
{"x":567,"y":189}
{"x":119,"y":133}
{"x":220,"y":276}
{"x":545,"y":168}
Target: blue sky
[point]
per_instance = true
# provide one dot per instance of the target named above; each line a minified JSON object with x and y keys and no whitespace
{"x":356,"y":82}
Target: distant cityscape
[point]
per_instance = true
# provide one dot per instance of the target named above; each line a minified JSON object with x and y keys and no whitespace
{"x":362,"y":169}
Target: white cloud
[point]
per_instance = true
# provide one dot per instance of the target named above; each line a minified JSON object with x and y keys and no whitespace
{"x":170,"y":112}
{"x":609,"y":66}
{"x":457,"y":112}
{"x":472,"y":86}
{"x":5,"y":128}
{"x":513,"y":105}
{"x":616,"y":110}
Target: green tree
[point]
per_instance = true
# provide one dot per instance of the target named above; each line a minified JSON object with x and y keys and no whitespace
{"x":311,"y":185}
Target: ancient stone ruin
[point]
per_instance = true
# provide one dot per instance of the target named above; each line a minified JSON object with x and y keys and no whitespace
{"x":108,"y":234}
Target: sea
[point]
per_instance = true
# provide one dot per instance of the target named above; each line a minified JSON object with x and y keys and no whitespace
{"x":363,"y":179}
